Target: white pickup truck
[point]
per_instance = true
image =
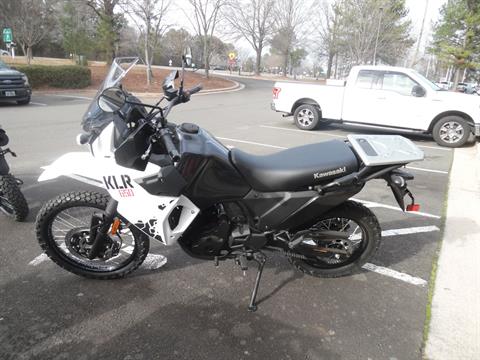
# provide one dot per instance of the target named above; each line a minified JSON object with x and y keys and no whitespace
{"x":383,"y":97}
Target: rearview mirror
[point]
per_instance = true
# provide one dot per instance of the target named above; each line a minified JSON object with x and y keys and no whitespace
{"x":187,"y":56}
{"x":112,"y":99}
{"x":418,"y":91}
{"x":169,"y":84}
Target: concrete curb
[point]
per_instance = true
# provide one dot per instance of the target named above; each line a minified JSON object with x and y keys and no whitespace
{"x":237,"y":86}
{"x":455,"y":323}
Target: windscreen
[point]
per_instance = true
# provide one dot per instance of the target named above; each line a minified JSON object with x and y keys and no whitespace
{"x":95,"y":119}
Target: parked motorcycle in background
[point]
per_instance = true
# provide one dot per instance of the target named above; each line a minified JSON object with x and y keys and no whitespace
{"x":12,"y":201}
{"x":179,"y":184}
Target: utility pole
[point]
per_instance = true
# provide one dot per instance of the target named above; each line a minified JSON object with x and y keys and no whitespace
{"x":376,"y":39}
{"x":415,"y":55}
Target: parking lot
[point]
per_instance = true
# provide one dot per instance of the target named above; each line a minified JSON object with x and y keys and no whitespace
{"x":189,"y":309}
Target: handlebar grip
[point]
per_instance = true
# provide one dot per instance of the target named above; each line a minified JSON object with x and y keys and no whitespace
{"x":171,"y":149}
{"x":195,"y":89}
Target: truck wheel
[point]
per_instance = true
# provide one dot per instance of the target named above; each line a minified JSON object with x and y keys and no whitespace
{"x":306,"y":117}
{"x":24,"y":102}
{"x":451,"y":131}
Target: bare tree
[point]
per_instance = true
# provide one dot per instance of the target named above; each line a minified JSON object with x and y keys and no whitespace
{"x":253,"y":20}
{"x":290,"y":15}
{"x":149,"y":16}
{"x":206,"y":16}
{"x":30,"y":21}
{"x":328,"y":28}
{"x":109,"y":25}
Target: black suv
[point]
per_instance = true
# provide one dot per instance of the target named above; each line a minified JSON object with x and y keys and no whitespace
{"x":14,"y":85}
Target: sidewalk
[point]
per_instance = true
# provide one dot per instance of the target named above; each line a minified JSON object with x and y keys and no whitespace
{"x":455,"y":322}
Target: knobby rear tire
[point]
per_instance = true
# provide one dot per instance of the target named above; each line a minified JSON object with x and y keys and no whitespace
{"x":84,"y":199}
{"x":362,"y":216}
{"x":10,"y":190}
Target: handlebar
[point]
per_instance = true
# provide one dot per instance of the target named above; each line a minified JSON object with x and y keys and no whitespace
{"x":169,"y":146}
{"x":194,"y":90}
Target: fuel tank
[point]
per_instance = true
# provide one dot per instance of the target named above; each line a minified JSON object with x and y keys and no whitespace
{"x":205,"y":165}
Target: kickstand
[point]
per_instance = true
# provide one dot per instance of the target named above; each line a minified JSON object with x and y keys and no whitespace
{"x":260,"y":258}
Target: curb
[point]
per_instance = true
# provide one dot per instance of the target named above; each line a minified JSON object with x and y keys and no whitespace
{"x":236,"y":87}
{"x":453,"y":329}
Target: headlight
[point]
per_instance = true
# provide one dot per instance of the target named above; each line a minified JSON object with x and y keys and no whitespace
{"x":25,"y":80}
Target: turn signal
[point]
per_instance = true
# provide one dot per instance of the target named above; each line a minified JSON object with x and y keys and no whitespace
{"x":115,"y":226}
{"x":413,"y":207}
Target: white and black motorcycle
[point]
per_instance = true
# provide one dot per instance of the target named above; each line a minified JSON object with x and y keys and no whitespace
{"x":178,"y":183}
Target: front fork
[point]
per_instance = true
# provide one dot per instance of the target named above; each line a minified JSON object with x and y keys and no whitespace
{"x":99,"y":228}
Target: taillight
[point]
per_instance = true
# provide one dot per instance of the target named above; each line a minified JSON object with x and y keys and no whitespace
{"x":276,"y":91}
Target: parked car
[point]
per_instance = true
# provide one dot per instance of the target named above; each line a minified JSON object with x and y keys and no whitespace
{"x":4,"y":53}
{"x":383,"y":97}
{"x":14,"y":85}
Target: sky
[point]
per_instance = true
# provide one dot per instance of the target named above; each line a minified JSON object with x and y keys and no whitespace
{"x":178,"y":18}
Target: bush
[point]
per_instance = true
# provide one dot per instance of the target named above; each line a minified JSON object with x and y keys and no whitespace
{"x":64,"y":76}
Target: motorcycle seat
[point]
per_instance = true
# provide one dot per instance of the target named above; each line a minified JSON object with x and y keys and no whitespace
{"x":296,"y":168}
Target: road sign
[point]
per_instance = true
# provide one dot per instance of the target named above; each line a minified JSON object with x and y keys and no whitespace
{"x":231,"y":56}
{"x":7,"y":35}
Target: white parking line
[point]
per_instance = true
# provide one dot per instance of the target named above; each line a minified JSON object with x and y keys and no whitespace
{"x":371,"y":204}
{"x":36,"y":103}
{"x":340,"y":136}
{"x":427,"y":170}
{"x":151,"y":262}
{"x":303,"y":131}
{"x":72,"y":96}
{"x":251,"y":143}
{"x":395,"y":274}
{"x":411,"y":230}
{"x":38,"y":260}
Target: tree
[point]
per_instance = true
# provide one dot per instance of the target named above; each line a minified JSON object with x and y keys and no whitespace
{"x":456,"y":35}
{"x":149,"y":16}
{"x":109,"y":25}
{"x":77,"y":28}
{"x":290,"y":15}
{"x":30,"y":20}
{"x":205,"y":18}
{"x":329,"y":22}
{"x":174,"y":43}
{"x":253,"y":20}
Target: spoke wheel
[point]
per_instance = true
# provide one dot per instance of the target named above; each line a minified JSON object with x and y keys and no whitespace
{"x":63,"y":230}
{"x":339,"y":243}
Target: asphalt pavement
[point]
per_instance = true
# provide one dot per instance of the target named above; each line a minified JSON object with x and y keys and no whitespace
{"x":188,"y":309}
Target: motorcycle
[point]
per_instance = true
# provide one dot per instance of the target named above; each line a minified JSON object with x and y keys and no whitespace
{"x":12,"y":201}
{"x":179,"y":184}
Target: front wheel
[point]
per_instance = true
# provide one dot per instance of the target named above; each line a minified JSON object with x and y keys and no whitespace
{"x":12,"y":201}
{"x":340,"y":243}
{"x":63,"y":230}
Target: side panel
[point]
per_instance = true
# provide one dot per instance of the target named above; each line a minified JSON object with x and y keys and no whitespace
{"x":292,"y":210}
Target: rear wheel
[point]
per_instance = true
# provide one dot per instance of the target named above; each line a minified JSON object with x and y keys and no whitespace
{"x":451,"y":131}
{"x":63,"y":231}
{"x":340,"y":242}
{"x":306,"y":117}
{"x":12,"y":201}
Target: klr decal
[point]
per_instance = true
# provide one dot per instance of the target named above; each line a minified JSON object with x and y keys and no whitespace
{"x":111,"y":182}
